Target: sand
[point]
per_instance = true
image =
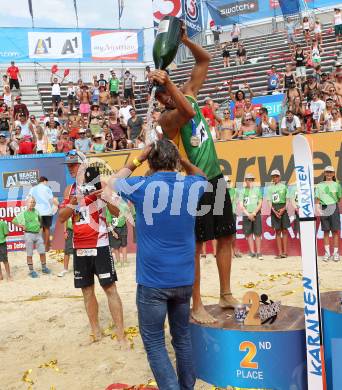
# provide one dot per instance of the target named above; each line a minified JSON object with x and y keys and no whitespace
{"x":54,"y":325}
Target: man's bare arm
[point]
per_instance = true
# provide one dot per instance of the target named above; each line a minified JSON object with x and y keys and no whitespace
{"x":200,"y":70}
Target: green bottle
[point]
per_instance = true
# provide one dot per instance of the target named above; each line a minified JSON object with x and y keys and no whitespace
{"x":167,"y":41}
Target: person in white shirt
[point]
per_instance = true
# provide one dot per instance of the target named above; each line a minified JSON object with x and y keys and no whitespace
{"x":338,"y":24}
{"x":55,"y":91}
{"x":46,"y":205}
{"x":124,"y":111}
{"x":317,"y":108}
{"x":235,"y":34}
{"x":290,"y":125}
{"x":335,"y":123}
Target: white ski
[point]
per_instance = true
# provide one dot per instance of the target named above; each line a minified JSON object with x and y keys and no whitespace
{"x":312,"y":309}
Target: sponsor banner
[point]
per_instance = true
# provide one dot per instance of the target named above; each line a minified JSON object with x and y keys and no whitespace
{"x":192,"y":14}
{"x":47,"y":44}
{"x":226,"y":12}
{"x":188,"y":10}
{"x":273,"y":103}
{"x":8,"y":211}
{"x":114,"y":45}
{"x":85,"y":45}
{"x":259,"y":156}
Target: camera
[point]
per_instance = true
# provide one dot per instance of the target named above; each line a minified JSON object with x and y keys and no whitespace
{"x":87,"y":189}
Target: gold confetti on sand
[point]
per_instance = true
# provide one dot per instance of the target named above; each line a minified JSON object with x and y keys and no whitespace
{"x":286,"y":293}
{"x":26,"y":378}
{"x":51,"y":364}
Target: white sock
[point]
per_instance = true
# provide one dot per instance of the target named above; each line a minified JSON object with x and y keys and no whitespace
{"x":336,"y":251}
{"x":327,"y":249}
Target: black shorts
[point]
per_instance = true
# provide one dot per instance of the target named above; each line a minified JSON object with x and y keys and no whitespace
{"x":296,"y":223}
{"x":331,"y":222}
{"x":252,"y":227}
{"x":282,"y":223}
{"x":3,"y":253}
{"x":128,"y":93}
{"x":114,"y":94}
{"x":46,"y":221}
{"x":102,"y":265}
{"x":236,"y":39}
{"x":121,"y":241}
{"x":14,"y":83}
{"x":225,"y":54}
{"x":219,"y":221}
{"x":56,"y":99}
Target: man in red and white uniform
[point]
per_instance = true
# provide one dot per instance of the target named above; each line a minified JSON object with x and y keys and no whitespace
{"x":92,"y":254}
{"x":14,"y":76}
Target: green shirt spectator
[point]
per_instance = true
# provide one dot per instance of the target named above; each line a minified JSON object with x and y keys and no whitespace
{"x":30,"y":219}
{"x":233,"y":198}
{"x":114,"y":85}
{"x":250,"y":198}
{"x":3,"y":232}
{"x":328,"y":192}
{"x":277,"y":193}
{"x":119,"y":221}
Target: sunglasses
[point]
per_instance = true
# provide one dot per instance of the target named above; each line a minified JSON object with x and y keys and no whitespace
{"x":334,"y":113}
{"x":331,"y":90}
{"x":226,"y":113}
{"x":248,"y":119}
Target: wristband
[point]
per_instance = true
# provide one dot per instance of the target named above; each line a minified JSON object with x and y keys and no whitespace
{"x":136,"y":162}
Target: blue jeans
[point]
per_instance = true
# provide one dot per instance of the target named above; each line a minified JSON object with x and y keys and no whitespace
{"x":153,"y":305}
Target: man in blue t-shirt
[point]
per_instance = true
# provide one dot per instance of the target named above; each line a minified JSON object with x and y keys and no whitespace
{"x":165,"y":203}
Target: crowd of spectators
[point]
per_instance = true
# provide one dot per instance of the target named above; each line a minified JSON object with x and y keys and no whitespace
{"x":101,"y":116}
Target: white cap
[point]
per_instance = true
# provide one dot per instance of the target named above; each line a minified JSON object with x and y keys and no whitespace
{"x":207,"y":98}
{"x":249,"y":176}
{"x":338,"y":63}
{"x":98,"y":135}
{"x":275,"y":172}
{"x":329,"y":168}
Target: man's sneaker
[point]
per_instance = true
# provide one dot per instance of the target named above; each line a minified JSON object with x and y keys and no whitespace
{"x":326,"y":257}
{"x":251,"y":255}
{"x":46,"y":270}
{"x":62,"y":273}
{"x":33,"y":274}
{"x":336,"y":257}
{"x":259,"y":256}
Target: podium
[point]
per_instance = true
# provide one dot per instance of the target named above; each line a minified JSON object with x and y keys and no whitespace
{"x":260,"y":357}
{"x":332,"y":337}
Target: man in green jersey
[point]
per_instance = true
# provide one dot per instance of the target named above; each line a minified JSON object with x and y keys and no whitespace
{"x":114,"y":86}
{"x":183,"y":122}
{"x":292,"y":197}
{"x":250,"y":200}
{"x":276,"y":197}
{"x":117,"y":228}
{"x":328,"y":195}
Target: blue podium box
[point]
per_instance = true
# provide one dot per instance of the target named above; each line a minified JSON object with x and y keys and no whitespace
{"x":332,"y":337}
{"x":259,"y":357}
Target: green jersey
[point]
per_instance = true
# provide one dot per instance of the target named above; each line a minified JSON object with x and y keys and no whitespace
{"x":277,"y":193}
{"x":328,"y":192}
{"x":3,"y":231}
{"x":30,"y":219}
{"x":114,"y":85}
{"x":233,"y":196}
{"x":69,"y":224}
{"x":250,"y":198}
{"x":292,"y":194}
{"x":204,"y":154}
{"x":119,"y":221}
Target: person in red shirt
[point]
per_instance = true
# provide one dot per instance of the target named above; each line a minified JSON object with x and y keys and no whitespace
{"x":14,"y":76}
{"x":64,"y":145}
{"x":209,"y":113}
{"x":27,"y":146}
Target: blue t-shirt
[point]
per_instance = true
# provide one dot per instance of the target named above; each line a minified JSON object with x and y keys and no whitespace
{"x":165,"y":205}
